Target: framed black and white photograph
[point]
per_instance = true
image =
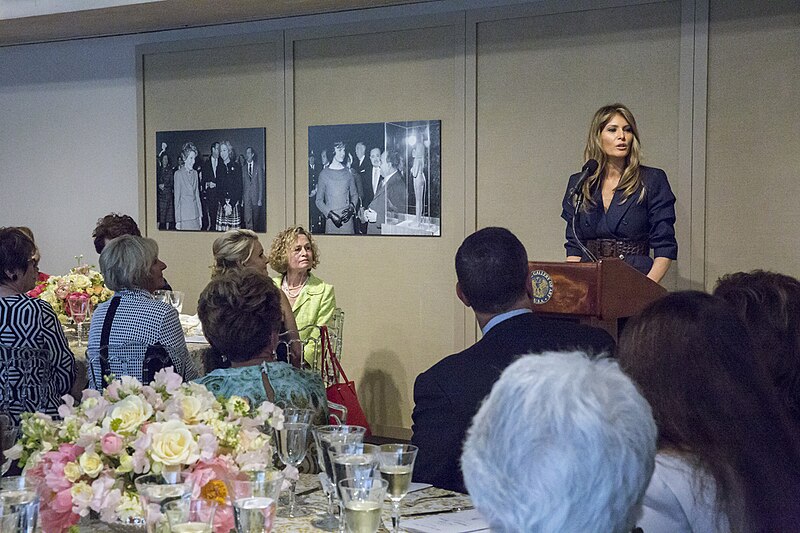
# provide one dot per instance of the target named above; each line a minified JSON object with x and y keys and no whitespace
{"x":211,"y":180}
{"x":382,"y":178}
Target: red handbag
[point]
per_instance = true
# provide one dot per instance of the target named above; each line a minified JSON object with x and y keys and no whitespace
{"x":338,"y":388}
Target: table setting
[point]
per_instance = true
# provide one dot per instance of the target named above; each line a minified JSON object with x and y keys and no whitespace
{"x":169,"y":456}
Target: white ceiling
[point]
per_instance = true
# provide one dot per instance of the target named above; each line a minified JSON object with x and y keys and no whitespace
{"x":32,"y":21}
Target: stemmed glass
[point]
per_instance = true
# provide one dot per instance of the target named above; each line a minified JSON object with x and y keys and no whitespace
{"x":79,"y":309}
{"x":397,"y":464}
{"x":362,"y":501}
{"x":176,"y":300}
{"x":325,"y":437}
{"x":355,"y":461}
{"x":8,"y":437}
{"x":292,"y":443}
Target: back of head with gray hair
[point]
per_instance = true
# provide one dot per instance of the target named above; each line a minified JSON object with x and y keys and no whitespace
{"x":126,"y":261}
{"x":562,"y":443}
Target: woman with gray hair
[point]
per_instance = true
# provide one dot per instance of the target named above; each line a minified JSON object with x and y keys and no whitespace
{"x":562,"y":443}
{"x":132,"y":321}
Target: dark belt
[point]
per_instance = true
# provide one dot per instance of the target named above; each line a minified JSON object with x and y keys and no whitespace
{"x":611,"y":248}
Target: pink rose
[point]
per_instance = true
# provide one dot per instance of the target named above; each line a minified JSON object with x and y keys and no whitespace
{"x":111,"y":443}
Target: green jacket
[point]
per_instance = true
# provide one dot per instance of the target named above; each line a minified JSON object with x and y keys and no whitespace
{"x":314,"y":306}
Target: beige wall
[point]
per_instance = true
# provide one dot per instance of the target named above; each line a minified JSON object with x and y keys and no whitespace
{"x":514,"y":88}
{"x":753,"y":137}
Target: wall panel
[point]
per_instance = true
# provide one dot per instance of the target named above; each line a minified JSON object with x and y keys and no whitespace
{"x":540,"y":78}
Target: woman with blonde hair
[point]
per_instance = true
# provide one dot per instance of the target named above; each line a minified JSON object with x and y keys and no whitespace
{"x":293,"y":255}
{"x":188,"y":213}
{"x":628,"y":209}
{"x":240,"y":248}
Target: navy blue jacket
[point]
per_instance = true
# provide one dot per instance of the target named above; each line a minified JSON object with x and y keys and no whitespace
{"x":652,"y":219}
{"x":447,"y":396}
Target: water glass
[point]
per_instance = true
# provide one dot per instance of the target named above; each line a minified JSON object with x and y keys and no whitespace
{"x":354,"y":460}
{"x":362,"y":501}
{"x":161,"y":295}
{"x":18,"y":497}
{"x":397,"y":465}
{"x":176,"y":300}
{"x":156,"y":491}
{"x":255,"y":500}
{"x":9,"y":521}
{"x":325,"y":437}
{"x":190,"y":516}
{"x":292,"y":443}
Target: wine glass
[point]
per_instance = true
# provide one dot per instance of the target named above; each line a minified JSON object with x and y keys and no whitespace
{"x":362,"y":501}
{"x":161,"y":295}
{"x":292,"y":443}
{"x":176,"y":300}
{"x":8,"y":437}
{"x":79,"y":309}
{"x":19,"y":495}
{"x":325,"y":437}
{"x":353,"y":460}
{"x":397,"y":464}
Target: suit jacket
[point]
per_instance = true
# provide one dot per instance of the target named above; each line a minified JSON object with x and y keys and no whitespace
{"x":314,"y":305}
{"x":364,"y":173}
{"x":253,"y":191}
{"x":231,"y":188}
{"x":448,"y":395}
{"x":391,"y":196}
{"x":652,"y":219}
{"x":207,"y":175}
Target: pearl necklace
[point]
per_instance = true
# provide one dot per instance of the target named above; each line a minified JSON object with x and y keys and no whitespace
{"x":293,"y":292}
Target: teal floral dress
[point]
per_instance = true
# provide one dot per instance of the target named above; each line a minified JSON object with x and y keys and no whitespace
{"x":292,"y":387}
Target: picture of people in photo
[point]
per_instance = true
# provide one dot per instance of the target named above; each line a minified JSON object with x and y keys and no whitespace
{"x":381,"y":178}
{"x":217,"y":181}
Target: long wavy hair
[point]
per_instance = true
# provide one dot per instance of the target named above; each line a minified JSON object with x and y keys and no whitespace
{"x":715,"y":407}
{"x":631,"y":179}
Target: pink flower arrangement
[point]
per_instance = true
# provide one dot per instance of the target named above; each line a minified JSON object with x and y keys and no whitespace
{"x":87,"y":462}
{"x":82,"y":281}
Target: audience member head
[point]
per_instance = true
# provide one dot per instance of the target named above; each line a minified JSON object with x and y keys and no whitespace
{"x":29,"y":232}
{"x":286,"y":244}
{"x":131,"y":262}
{"x":241,"y":314}
{"x":714,"y":405}
{"x":562,"y":443}
{"x":19,"y":261}
{"x":492,"y":271}
{"x":237,"y":249}
{"x":769,"y":305}
{"x":112,"y":226}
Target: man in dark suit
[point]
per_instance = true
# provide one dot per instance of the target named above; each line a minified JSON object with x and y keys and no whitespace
{"x":390,"y":194}
{"x":252,"y":191}
{"x":363,"y":167}
{"x":492,"y":272}
{"x":210,"y":177}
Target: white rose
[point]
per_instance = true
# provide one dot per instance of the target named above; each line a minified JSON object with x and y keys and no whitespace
{"x":72,"y":472}
{"x":91,"y":464}
{"x":193,"y":407}
{"x":81,"y":282}
{"x":81,"y":498}
{"x":173,"y":444}
{"x":131,"y":412}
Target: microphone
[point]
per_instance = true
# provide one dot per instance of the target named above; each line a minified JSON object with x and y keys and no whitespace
{"x":589,"y":168}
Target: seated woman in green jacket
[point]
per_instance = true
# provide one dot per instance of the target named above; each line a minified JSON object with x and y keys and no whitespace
{"x":293,"y":254}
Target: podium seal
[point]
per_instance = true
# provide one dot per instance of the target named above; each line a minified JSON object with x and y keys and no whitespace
{"x":542,"y":287}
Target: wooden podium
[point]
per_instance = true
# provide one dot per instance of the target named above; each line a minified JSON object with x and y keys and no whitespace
{"x":598,"y":294}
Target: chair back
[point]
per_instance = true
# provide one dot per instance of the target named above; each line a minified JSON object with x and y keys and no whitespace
{"x":24,"y":380}
{"x":336,"y":331}
{"x":139,"y":360}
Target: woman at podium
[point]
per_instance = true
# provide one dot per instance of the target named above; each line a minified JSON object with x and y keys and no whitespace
{"x":624,"y":209}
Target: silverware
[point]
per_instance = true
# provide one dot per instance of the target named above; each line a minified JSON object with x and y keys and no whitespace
{"x":426,"y":498}
{"x":309,"y":491}
{"x":441,"y":511}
